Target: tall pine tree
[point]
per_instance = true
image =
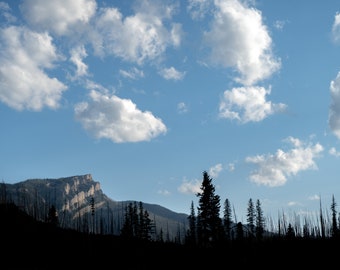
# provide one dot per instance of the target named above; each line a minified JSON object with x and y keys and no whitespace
{"x":137,"y":223}
{"x":227,"y":219}
{"x":209,"y":224}
{"x":260,"y":223}
{"x":190,"y":238}
{"x":251,"y":217}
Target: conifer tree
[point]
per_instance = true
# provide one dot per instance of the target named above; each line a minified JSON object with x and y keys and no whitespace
{"x":160,"y":237}
{"x":135,"y":220}
{"x":137,"y":223}
{"x":290,"y":234}
{"x":191,"y":232}
{"x":239,"y":231}
{"x":210,"y":229}
{"x":305,"y":230}
{"x":251,"y":217}
{"x":260,"y":223}
{"x":147,"y":226}
{"x":127,"y":228}
{"x":227,"y":219}
{"x":141,"y":231}
{"x":92,"y":205}
{"x":334,"y":215}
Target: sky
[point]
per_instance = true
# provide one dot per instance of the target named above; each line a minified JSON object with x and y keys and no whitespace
{"x":146,"y":95}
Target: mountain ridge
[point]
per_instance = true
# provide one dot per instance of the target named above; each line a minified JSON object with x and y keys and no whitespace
{"x":72,"y":197}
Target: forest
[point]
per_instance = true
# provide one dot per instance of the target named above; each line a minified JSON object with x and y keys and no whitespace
{"x":211,"y":240}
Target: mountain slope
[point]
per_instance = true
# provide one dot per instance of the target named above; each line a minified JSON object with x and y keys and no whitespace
{"x":81,"y":204}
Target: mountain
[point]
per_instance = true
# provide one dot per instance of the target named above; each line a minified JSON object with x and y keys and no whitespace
{"x":81,"y":204}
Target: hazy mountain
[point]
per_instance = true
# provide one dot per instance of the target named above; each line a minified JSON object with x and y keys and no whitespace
{"x":81,"y":204}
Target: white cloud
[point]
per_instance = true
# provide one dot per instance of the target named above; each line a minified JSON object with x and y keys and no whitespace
{"x":164,"y":192}
{"x":198,"y":8}
{"x":133,"y":73}
{"x":172,"y":74}
{"x":91,"y":85}
{"x":182,"y":107}
{"x":77,"y":55}
{"x":215,"y":170}
{"x":176,"y":34}
{"x":117,"y":119}
{"x":190,"y":187}
{"x":5,"y":11}
{"x":292,"y":203}
{"x":279,"y":24}
{"x":239,"y":39}
{"x":58,"y":16}
{"x":336,"y":28}
{"x":273,"y":169}
{"x":231,"y":167}
{"x":247,"y":104}
{"x":25,"y":57}
{"x":4,"y":6}
{"x":314,"y":197}
{"x":136,"y":38}
{"x":332,"y":151}
{"x":334,"y":110}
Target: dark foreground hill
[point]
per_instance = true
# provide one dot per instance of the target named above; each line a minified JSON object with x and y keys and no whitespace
{"x":30,"y":244}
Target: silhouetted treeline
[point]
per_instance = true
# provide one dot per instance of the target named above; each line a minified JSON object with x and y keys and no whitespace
{"x":206,"y":225}
{"x":208,"y":228}
{"x":211,"y":239}
{"x":29,"y":244}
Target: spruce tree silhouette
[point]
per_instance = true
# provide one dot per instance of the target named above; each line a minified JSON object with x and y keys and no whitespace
{"x":251,"y":218}
{"x":227,"y":220}
{"x":209,"y":224}
{"x":190,"y":238}
{"x":260,"y":223}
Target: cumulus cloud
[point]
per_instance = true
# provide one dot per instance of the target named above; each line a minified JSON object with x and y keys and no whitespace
{"x":77,"y":55}
{"x":190,"y":187}
{"x":58,"y":16}
{"x":334,"y":110}
{"x":215,"y":170}
{"x":239,"y":39}
{"x":172,"y":74}
{"x":137,"y":38}
{"x":25,"y":57}
{"x":336,"y":28}
{"x":273,"y":169}
{"x":247,"y":104}
{"x":117,"y":119}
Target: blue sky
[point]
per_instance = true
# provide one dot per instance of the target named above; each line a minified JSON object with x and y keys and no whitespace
{"x":146,"y":95}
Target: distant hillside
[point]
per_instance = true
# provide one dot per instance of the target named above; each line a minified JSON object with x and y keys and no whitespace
{"x":72,"y":197}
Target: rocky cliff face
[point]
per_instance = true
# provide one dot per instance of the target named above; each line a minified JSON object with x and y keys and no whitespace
{"x":78,"y":191}
{"x":66,"y":194}
{"x":82,"y":205}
